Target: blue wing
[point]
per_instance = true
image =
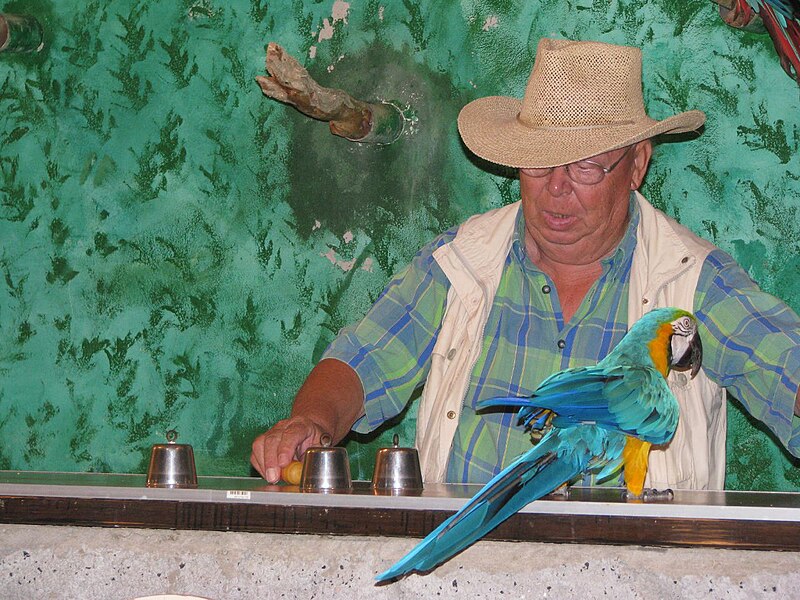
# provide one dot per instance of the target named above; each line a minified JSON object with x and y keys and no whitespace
{"x":788,"y":9}
{"x":630,"y":399}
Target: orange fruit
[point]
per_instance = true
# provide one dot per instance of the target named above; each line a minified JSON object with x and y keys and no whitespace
{"x":291,"y":472}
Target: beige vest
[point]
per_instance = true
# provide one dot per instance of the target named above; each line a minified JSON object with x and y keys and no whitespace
{"x":666,"y":266}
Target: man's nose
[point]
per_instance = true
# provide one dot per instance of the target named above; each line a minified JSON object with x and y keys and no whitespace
{"x":559,"y":183}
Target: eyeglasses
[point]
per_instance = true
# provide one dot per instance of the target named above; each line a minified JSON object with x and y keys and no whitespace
{"x":586,"y":172}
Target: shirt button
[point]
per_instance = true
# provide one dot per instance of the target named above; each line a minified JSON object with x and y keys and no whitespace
{"x":546,"y":289}
{"x":451,"y":354}
{"x":451,"y":414}
{"x":561,"y":344}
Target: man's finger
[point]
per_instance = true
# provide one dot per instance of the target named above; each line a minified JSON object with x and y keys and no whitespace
{"x":272,"y":475}
{"x":295,"y":437}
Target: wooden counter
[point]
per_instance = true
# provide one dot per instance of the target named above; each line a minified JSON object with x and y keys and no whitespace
{"x":746,"y":520}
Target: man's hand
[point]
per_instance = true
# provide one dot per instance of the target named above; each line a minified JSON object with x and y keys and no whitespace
{"x":328,"y":403}
{"x":286,"y":441}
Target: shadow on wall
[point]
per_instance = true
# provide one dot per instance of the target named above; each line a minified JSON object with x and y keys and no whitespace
{"x":347,"y":185}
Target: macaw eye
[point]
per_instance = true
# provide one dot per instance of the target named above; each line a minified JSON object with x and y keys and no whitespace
{"x":683,"y":326}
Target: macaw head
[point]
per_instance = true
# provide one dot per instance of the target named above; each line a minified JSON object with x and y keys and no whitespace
{"x":670,"y":337}
{"x":685,"y":348}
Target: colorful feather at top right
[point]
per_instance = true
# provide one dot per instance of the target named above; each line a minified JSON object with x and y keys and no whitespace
{"x":780,"y":19}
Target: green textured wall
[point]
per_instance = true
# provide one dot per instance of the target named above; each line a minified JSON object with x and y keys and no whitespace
{"x":177,"y":250}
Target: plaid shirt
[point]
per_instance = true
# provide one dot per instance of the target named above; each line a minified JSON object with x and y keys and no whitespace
{"x":751,"y":344}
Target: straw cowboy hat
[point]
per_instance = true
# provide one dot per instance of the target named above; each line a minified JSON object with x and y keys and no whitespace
{"x":582,"y":99}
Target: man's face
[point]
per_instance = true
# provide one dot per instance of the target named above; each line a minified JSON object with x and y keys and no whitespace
{"x":585,"y":221}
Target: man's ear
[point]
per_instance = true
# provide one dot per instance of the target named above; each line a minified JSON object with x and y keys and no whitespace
{"x":641,"y":159}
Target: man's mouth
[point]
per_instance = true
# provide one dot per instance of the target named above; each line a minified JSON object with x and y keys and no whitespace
{"x":556,"y":221}
{"x":555,"y":218}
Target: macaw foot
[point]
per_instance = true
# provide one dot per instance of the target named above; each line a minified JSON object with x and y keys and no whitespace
{"x":545,"y":424}
{"x":650,"y":495}
{"x":561,"y":491}
{"x":654,"y":495}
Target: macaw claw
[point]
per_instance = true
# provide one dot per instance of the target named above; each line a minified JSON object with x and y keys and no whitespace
{"x":561,"y":492}
{"x":650,"y":495}
{"x":653,"y":495}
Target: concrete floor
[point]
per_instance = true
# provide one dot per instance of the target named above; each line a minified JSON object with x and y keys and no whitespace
{"x":49,"y":562}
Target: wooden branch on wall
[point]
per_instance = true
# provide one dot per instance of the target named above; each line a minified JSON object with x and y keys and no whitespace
{"x":348,"y":117}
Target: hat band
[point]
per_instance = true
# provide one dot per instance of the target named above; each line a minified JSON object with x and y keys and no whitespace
{"x":575,"y":127}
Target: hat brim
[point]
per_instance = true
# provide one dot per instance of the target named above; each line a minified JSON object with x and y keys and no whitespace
{"x":490,"y":128}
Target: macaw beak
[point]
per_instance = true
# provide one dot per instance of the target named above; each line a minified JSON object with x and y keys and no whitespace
{"x":692,"y":358}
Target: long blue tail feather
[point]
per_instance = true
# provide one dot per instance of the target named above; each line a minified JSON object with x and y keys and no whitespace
{"x":533,"y":475}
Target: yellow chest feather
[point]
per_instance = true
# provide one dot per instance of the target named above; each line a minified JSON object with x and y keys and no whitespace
{"x":659,"y":348}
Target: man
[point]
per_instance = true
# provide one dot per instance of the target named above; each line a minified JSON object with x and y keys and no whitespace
{"x":511,"y":296}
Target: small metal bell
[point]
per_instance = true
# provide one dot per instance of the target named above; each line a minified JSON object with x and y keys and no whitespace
{"x":326,"y":468}
{"x":397,"y":469}
{"x":172,"y":465}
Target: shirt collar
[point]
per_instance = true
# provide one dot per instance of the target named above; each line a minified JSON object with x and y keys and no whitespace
{"x":612,"y":263}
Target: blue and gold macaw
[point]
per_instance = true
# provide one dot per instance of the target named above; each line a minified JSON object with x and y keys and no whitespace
{"x":600,"y":418}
